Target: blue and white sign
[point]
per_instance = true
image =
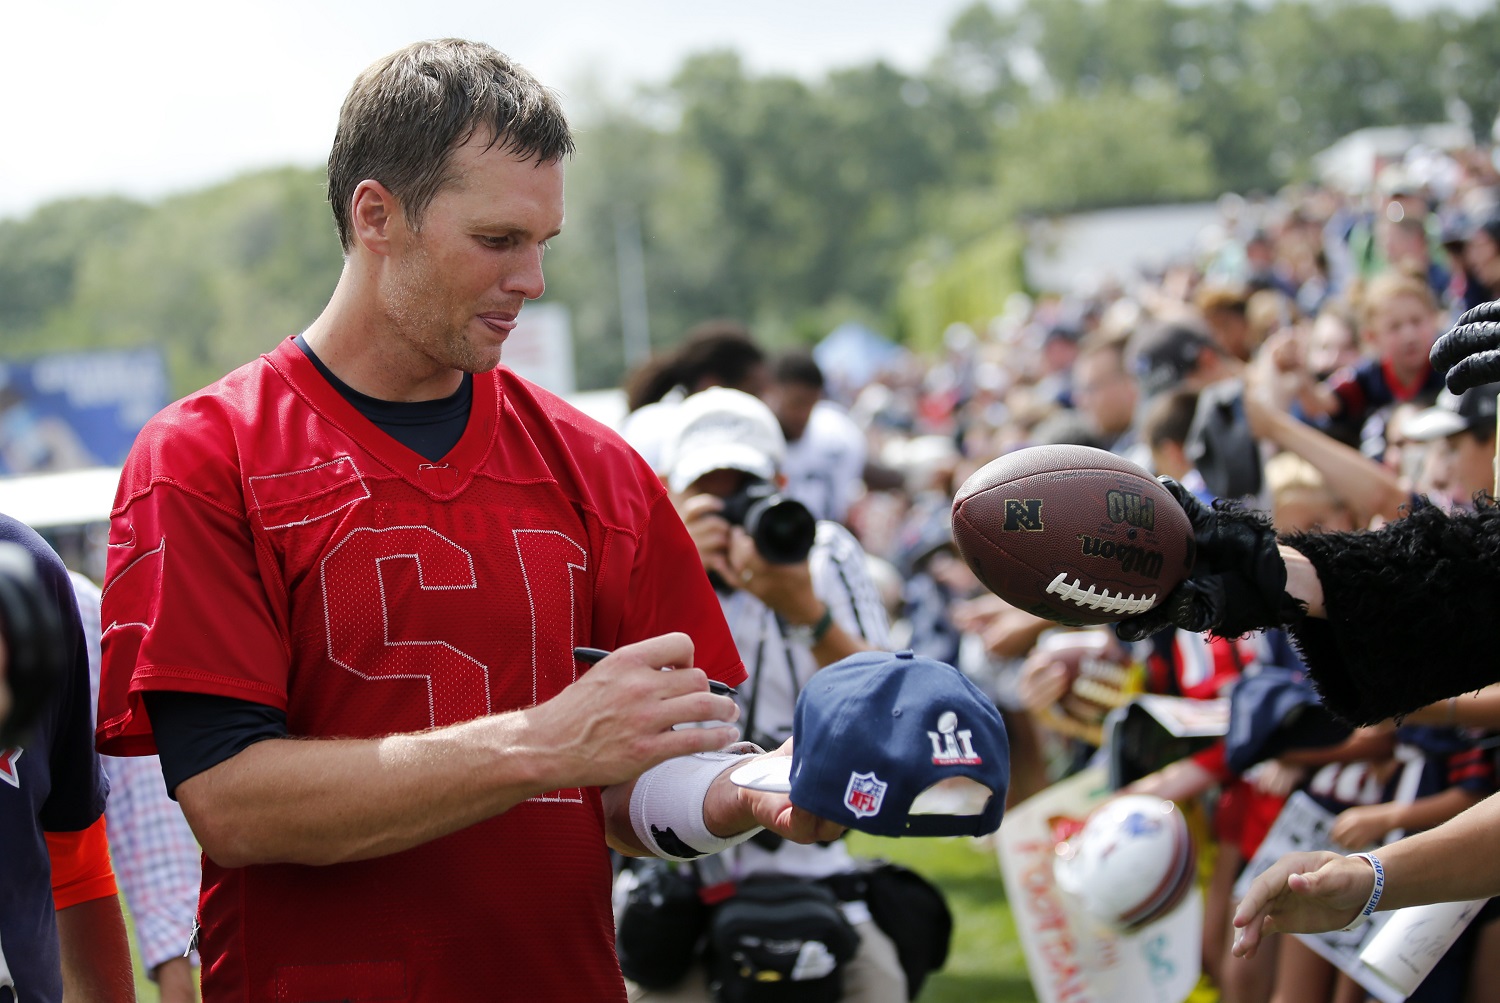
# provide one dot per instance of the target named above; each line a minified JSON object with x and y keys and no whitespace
{"x":66,"y":412}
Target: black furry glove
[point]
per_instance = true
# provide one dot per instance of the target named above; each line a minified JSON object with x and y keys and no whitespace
{"x":1470,"y":352}
{"x":1238,"y":582}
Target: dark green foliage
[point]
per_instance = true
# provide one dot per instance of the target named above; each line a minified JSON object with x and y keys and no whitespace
{"x":215,"y":277}
{"x":40,"y":256}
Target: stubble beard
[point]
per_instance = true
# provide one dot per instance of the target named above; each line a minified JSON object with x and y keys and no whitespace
{"x":415,"y":308}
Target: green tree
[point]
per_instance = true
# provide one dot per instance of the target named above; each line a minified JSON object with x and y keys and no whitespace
{"x":41,"y":254}
{"x":1112,"y":148}
{"x":215,"y":277}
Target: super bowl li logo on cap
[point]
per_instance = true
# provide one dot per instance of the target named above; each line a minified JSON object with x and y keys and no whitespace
{"x":951,"y":746}
{"x":864,"y":794}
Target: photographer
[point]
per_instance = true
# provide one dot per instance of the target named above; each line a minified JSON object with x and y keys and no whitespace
{"x":60,"y":922}
{"x":798,"y":597}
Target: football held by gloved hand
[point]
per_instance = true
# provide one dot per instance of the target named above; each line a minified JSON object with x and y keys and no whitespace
{"x":1238,"y":581}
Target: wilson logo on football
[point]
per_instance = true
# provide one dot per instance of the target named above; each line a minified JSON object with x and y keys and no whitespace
{"x":950,"y":746}
{"x":1131,"y":558}
{"x":864,"y":794}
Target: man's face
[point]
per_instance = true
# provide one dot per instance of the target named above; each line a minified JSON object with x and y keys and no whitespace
{"x":1402,"y":330}
{"x":1331,"y":345}
{"x":1404,"y":246}
{"x":719,"y":483}
{"x":793,"y":405}
{"x":452,"y":289}
{"x":711,"y":535}
{"x":1232,"y":332}
{"x":1482,"y":257}
{"x":1457,"y":467}
{"x":1106,"y":394}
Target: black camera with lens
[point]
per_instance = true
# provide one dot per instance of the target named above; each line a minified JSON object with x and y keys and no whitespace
{"x":31,"y":630}
{"x":783,"y":529}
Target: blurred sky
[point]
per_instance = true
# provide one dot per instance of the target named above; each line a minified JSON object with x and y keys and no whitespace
{"x":156,"y":96}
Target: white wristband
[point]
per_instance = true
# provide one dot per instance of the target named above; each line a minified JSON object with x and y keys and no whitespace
{"x":666,"y":807}
{"x":1375,"y":892}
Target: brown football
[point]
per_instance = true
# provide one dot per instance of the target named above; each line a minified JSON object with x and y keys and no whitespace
{"x":1073,"y":534}
{"x":1099,"y":675}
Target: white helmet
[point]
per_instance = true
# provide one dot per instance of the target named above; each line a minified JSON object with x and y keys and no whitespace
{"x":1132,"y":862}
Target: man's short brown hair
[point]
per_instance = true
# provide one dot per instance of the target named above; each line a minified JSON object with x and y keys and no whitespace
{"x":408,"y":112}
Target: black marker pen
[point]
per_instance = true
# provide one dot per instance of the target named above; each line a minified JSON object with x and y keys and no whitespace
{"x":594,"y":656}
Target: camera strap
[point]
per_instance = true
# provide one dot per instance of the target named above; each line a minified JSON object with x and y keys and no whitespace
{"x":760,"y":654}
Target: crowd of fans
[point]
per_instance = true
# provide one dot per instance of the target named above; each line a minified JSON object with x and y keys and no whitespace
{"x":1281,"y":363}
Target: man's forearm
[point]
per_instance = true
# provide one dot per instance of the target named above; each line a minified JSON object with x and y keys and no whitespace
{"x":1453,"y":862}
{"x":837,"y":644}
{"x":325,"y":801}
{"x":1302,"y":581}
{"x":95,"y":952}
{"x":1370,"y":487}
{"x":176,"y":981}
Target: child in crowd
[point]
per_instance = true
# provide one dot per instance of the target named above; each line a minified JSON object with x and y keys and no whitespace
{"x":1398,"y":322}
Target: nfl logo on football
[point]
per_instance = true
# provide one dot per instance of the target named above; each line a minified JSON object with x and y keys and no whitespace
{"x":864,"y":794}
{"x":951,"y":747}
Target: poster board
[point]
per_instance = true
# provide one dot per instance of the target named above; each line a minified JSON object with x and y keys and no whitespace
{"x":1071,"y":957}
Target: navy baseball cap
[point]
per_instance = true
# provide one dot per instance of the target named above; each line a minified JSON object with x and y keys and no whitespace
{"x":1273,"y":711}
{"x":894,"y":745}
{"x":1453,"y":413}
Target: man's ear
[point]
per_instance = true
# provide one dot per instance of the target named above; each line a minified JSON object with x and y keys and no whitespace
{"x":375,"y":215}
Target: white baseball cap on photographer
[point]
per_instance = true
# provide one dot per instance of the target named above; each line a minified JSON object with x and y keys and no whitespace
{"x":723,"y":429}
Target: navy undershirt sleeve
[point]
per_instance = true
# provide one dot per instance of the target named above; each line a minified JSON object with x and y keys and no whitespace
{"x":198,"y":731}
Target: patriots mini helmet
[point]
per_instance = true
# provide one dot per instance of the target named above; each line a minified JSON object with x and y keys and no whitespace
{"x":1131,"y":863}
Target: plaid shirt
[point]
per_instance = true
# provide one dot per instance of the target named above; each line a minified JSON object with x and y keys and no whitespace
{"x":157,"y":859}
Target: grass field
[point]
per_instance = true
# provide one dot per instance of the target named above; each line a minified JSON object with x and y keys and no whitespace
{"x":985,"y":964}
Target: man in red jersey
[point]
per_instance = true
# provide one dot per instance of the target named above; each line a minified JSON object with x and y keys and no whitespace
{"x":346,"y":582}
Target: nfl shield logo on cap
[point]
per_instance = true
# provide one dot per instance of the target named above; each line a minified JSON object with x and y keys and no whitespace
{"x":864,"y":794}
{"x":897,"y":745}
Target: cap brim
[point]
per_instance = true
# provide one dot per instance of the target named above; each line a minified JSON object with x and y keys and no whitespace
{"x":723,"y":456}
{"x":1433,"y":424}
{"x":769,"y":773}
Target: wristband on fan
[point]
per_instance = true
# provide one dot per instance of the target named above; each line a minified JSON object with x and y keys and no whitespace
{"x":666,"y":806}
{"x":1375,"y":892}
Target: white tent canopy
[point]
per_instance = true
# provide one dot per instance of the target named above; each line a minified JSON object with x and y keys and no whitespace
{"x":67,"y":498}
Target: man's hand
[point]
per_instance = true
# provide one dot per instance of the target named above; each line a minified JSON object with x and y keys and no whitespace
{"x":1276,"y":777}
{"x":1302,"y":893}
{"x":1238,"y":582}
{"x":1470,"y":352}
{"x":973,"y":615}
{"x":617,"y":720}
{"x":709,"y":530}
{"x":730,"y":809}
{"x":786,"y":588}
{"x":1042,"y":681}
{"x":1363,"y":825}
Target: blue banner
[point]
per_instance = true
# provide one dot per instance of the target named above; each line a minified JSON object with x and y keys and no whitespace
{"x":65,"y":412}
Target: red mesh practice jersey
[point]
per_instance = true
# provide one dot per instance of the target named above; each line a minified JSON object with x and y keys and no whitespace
{"x":271,"y":544}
